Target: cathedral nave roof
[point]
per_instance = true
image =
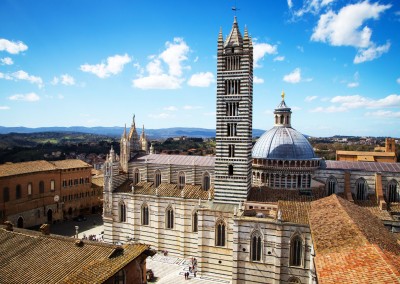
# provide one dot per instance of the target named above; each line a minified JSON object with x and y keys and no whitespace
{"x":206,"y":161}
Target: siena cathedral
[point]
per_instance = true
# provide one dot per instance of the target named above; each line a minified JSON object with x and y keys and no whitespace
{"x":269,"y":213}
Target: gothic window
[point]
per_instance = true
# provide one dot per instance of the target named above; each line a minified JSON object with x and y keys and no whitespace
{"x":276,"y":119}
{"x":393,"y":194}
{"x":231,"y":129}
{"x":181,"y":180}
{"x":136,"y":176}
{"x":232,"y":87}
{"x":122,"y":212}
{"x":281,"y":119}
{"x":169,"y":216}
{"x":296,"y":247}
{"x":232,"y":109}
{"x":256,"y":246}
{"x":331,"y":185}
{"x":195,"y":222}
{"x":18,"y":193}
{"x":41,"y":186}
{"x":206,"y":181}
{"x":361,"y":189}
{"x":157,"y":178}
{"x":220,"y":233}
{"x":230,"y":170}
{"x":145,"y":214}
{"x":6,"y":194}
{"x":119,"y":278}
{"x":232,"y":62}
{"x":231,"y":150}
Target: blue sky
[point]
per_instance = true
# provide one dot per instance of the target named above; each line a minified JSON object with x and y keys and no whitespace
{"x":96,"y":63}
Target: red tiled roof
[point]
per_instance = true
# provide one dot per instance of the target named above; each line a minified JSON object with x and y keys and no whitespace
{"x":361,"y":166}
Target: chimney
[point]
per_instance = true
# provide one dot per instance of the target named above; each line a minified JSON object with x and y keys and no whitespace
{"x":9,"y":226}
{"x":45,"y":229}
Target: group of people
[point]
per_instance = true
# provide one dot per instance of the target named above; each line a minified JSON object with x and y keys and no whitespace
{"x":192,"y":269}
{"x":98,"y":238}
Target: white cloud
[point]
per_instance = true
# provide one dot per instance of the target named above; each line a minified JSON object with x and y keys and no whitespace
{"x":5,"y":76}
{"x":330,"y":109}
{"x":173,"y":57}
{"x":279,"y":58}
{"x":257,"y":80}
{"x":113,"y":66}
{"x":310,"y":98}
{"x":203,"y":79}
{"x":12,"y":46}
{"x":171,"y":108}
{"x":290,"y":4}
{"x":384,"y":114}
{"x":196,"y":59}
{"x":160,"y":115}
{"x":300,"y":48}
{"x":293,"y":77}
{"x":358,"y":101}
{"x":353,"y":84}
{"x":22,"y":75}
{"x":65,"y":79}
{"x":4,"y":107}
{"x":259,"y":51}
{"x":346,"y":28}
{"x":30,"y":97}
{"x":191,"y":107}
{"x":55,"y":81}
{"x":6,"y":61}
{"x":371,"y":53}
{"x":295,"y":108}
{"x":308,"y":6}
{"x":162,"y":81}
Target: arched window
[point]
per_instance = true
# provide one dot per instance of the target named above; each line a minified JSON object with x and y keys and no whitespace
{"x":6,"y":194}
{"x":195,"y":222}
{"x":256,"y":246}
{"x":392,"y":192}
{"x":181,"y":180}
{"x":136,"y":176}
{"x":119,"y":278}
{"x":18,"y":193}
{"x":157,"y":178}
{"x":296,"y":247}
{"x":41,"y":186}
{"x":145,"y":214}
{"x":169,"y":216}
{"x":220,"y":233}
{"x":361,"y":189}
{"x":30,"y":188}
{"x":206,"y":181}
{"x":122,"y":212}
{"x":230,"y":170}
{"x":331,"y":185}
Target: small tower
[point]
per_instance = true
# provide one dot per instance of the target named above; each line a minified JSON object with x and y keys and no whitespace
{"x":283,"y":113}
{"x":133,"y":138}
{"x":124,"y":151}
{"x":234,"y":116}
{"x":143,"y":141}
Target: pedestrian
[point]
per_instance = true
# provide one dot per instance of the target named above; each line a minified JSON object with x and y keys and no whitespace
{"x":185,"y":275}
{"x":194,"y":273}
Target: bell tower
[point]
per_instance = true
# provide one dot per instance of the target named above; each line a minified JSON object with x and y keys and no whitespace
{"x":234,"y":116}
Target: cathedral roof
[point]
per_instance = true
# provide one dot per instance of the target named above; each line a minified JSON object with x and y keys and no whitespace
{"x":361,"y":166}
{"x":283,"y":143}
{"x":206,"y":161}
{"x":234,"y":38}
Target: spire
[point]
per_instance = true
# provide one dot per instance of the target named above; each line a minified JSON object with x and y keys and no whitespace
{"x":235,"y":37}
{"x":124,"y":135}
{"x":246,"y":34}
{"x":133,"y":121}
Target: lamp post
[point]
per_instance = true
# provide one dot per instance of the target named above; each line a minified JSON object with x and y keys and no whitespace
{"x":76,"y":231}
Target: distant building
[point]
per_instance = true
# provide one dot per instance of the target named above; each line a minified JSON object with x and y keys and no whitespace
{"x":38,"y":257}
{"x":385,"y":154}
{"x":33,"y":193}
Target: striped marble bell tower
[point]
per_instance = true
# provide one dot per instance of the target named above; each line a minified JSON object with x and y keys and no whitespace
{"x":234,"y":117}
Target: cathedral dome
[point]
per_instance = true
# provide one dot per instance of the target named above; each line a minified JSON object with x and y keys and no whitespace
{"x":283,"y":143}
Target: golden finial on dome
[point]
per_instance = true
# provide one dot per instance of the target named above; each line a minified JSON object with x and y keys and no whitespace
{"x":283,"y":95}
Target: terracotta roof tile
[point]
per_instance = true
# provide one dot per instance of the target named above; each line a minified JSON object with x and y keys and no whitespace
{"x":11,"y":169}
{"x":71,"y":164}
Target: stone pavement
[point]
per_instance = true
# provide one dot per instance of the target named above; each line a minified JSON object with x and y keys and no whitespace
{"x":170,"y":270}
{"x":92,"y":226}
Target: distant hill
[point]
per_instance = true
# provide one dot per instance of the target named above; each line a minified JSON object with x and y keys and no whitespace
{"x":117,"y":131}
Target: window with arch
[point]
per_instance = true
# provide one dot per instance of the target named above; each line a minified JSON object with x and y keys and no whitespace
{"x":30,"y":188}
{"x":136,"y":176}
{"x":195,"y":222}
{"x":145,"y":214}
{"x":206,"y":181}
{"x":119,"y":278}
{"x":157,"y":178}
{"x":6,"y":194}
{"x":18,"y":192}
{"x":296,"y":248}
{"x":256,"y":246}
{"x":41,"y":186}
{"x":220,"y":229}
{"x":122,"y":212}
{"x":181,"y":180}
{"x":361,"y":189}
{"x":331,"y":185}
{"x":169,"y":216}
{"x":230,"y":170}
{"x":392,"y":192}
